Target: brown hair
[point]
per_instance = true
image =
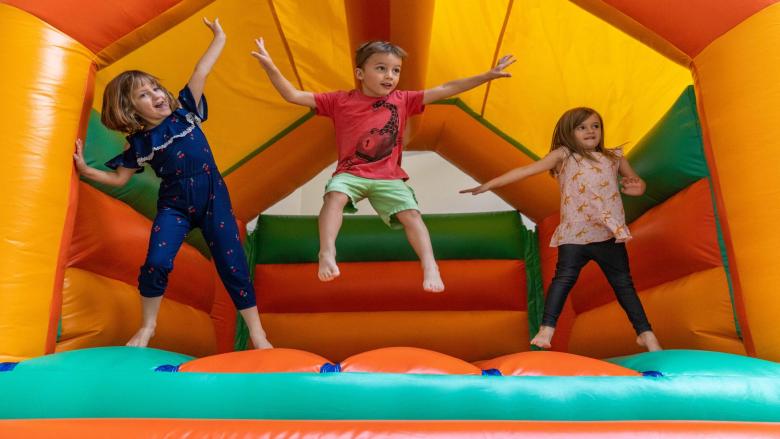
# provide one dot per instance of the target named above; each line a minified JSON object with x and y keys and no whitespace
{"x":118,"y":111}
{"x":563,"y":135}
{"x":371,"y":47}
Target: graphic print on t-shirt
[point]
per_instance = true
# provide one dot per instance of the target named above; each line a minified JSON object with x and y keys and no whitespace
{"x":378,"y":143}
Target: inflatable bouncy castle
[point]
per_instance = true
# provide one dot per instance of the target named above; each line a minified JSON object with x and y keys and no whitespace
{"x":688,"y":86}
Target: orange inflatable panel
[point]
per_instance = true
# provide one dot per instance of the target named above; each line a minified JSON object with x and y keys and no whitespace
{"x":270,"y":174}
{"x":671,"y":241}
{"x":257,"y":361}
{"x":223,"y":314}
{"x":672,"y":19}
{"x":536,"y":196}
{"x":251,"y":429}
{"x":98,"y":311}
{"x":110,"y":239}
{"x":97,"y":23}
{"x":470,"y":335}
{"x":693,"y":312}
{"x":392,"y":286}
{"x":535,"y":363}
{"x":548,"y":255}
{"x":408,"y":360}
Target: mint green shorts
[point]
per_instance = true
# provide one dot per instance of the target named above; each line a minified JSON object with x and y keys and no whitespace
{"x":387,"y":197}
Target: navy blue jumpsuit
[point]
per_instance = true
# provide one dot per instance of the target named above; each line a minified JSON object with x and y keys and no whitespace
{"x":192,"y":194}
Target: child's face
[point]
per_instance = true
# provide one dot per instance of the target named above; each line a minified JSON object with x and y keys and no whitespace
{"x":380,"y":74}
{"x":151,"y":103}
{"x":588,"y":133}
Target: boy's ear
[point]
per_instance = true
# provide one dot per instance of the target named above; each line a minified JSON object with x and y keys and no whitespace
{"x":359,"y":73}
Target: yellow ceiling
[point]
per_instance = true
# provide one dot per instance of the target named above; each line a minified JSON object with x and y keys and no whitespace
{"x":566,"y":58}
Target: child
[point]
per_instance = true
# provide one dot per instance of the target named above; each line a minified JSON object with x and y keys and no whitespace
{"x":592,"y":222}
{"x":369,"y":124}
{"x":165,"y":133}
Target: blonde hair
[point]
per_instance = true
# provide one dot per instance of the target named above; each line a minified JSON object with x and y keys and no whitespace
{"x":371,"y":47}
{"x":118,"y":110}
{"x":563,"y":135}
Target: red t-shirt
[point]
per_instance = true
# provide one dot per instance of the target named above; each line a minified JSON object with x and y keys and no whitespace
{"x":369,"y":131}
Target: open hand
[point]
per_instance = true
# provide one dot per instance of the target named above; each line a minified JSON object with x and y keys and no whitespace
{"x":631,"y":186}
{"x":215,"y":27}
{"x":262,"y":54}
{"x":503,"y":63}
{"x":78,"y":157}
{"x":475,"y":190}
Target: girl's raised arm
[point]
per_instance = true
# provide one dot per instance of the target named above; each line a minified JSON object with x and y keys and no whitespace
{"x":546,"y":163}
{"x":206,"y":62}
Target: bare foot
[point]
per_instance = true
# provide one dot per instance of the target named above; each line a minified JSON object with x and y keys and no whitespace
{"x":141,"y":338}
{"x":543,"y":338}
{"x":328,"y":268}
{"x":261,"y":343}
{"x":432,"y":280}
{"x":647,"y":340}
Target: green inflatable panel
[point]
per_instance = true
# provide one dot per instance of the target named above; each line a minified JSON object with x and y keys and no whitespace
{"x":104,"y":360}
{"x":102,"y":145}
{"x":683,"y":362}
{"x":91,"y":394}
{"x":669,"y":157}
{"x":533,"y":281}
{"x":294,"y":239}
{"x":124,"y":385}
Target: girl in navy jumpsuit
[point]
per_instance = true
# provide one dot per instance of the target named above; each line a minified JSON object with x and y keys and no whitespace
{"x":192,"y":193}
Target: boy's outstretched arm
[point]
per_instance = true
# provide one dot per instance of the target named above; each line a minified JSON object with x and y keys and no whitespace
{"x":118,"y":178}
{"x":206,"y":62}
{"x":281,"y":84}
{"x":631,"y":181}
{"x":550,"y":161}
{"x":460,"y":85}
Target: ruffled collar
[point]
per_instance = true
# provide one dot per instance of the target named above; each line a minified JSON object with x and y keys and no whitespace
{"x":179,"y":124}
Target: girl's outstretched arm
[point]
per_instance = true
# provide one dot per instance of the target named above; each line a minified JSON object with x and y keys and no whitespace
{"x":118,"y":178}
{"x":632,"y":183}
{"x":206,"y":62}
{"x":548,"y":162}
{"x":281,"y":84}
{"x":460,"y":85}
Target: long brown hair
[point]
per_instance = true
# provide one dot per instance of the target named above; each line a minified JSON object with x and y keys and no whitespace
{"x":118,"y":111}
{"x":563,"y":135}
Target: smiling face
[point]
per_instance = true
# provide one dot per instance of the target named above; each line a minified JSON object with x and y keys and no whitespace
{"x":380,"y":74}
{"x":150,"y":102}
{"x":588,"y":133}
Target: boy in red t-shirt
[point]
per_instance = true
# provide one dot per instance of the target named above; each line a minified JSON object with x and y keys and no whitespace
{"x":369,"y":124}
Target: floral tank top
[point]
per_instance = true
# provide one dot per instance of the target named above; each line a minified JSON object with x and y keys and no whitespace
{"x":591,"y":207}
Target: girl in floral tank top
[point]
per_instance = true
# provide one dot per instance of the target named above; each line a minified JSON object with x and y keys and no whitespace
{"x":591,"y":207}
{"x":593,"y":225}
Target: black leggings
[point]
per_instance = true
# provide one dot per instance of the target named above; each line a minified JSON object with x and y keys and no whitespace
{"x":613,"y":260}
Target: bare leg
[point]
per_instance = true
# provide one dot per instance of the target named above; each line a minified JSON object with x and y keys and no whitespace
{"x":543,"y":338}
{"x":418,"y":237}
{"x":150,"y":306}
{"x":647,"y":340}
{"x":329,"y":222}
{"x":256,"y":333}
